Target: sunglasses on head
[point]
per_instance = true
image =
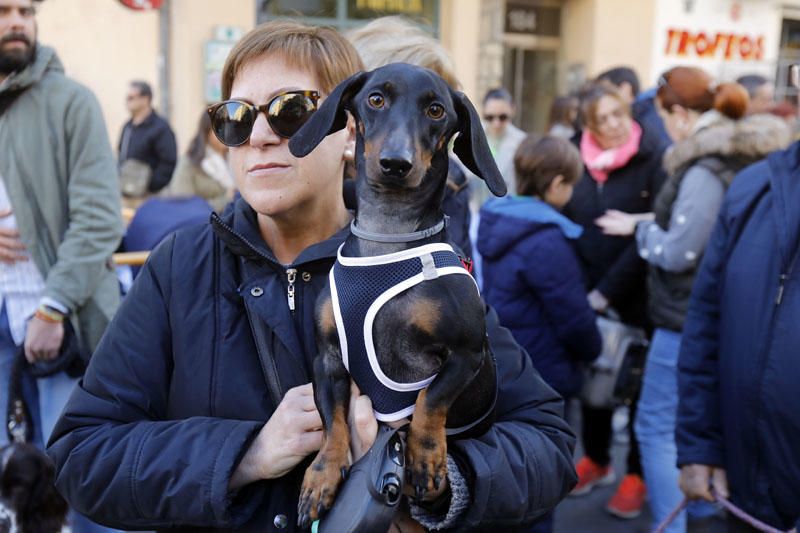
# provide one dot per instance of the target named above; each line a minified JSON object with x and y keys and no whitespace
{"x":491,"y":118}
{"x":232,"y":120}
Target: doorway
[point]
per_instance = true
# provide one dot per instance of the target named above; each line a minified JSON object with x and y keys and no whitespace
{"x":531,"y":75}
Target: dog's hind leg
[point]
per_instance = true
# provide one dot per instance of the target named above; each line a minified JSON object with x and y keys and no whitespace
{"x":427,"y":441}
{"x":332,"y":397}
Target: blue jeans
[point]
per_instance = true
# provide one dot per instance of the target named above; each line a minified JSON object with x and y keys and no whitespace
{"x":655,"y":428}
{"x":8,"y":351}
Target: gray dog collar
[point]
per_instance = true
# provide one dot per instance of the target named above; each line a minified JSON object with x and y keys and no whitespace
{"x":399,"y":237}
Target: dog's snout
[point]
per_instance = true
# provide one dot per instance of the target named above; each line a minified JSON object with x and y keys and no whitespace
{"x":396,"y":164}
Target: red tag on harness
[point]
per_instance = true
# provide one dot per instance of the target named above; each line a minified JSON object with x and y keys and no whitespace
{"x":467,"y":262}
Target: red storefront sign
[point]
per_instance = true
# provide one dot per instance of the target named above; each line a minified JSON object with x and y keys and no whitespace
{"x":141,"y":5}
{"x":719,"y":45}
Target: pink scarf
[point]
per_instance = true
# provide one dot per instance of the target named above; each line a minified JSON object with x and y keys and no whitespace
{"x":599,"y":162}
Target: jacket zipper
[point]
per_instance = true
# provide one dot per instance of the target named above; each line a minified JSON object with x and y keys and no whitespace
{"x":291,"y":275}
{"x":784,"y":277}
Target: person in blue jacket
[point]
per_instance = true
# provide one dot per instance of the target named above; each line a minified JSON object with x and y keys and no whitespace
{"x":196,"y":412}
{"x":531,"y":274}
{"x":738,"y":427}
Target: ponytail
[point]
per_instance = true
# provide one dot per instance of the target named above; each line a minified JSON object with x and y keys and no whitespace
{"x":693,"y":88}
{"x":731,"y":99}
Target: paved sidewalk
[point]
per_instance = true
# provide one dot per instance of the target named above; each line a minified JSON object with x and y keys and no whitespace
{"x":587,"y":514}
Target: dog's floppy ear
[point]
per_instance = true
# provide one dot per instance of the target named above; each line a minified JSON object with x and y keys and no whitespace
{"x":472,"y":148}
{"x":329,"y":118}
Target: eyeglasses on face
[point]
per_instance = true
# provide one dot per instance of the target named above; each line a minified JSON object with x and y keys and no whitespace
{"x":232,"y":120}
{"x":491,"y":118}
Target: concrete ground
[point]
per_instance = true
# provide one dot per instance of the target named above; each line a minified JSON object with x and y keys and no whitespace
{"x":587,"y":514}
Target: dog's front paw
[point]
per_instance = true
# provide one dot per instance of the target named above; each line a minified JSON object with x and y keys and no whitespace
{"x":427,"y":460}
{"x":319,"y":488}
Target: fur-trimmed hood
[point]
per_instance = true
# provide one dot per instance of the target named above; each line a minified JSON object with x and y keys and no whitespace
{"x":748,"y":139}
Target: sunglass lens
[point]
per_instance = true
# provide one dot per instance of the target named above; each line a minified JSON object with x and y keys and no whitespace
{"x":232,"y":123}
{"x":289,"y":112}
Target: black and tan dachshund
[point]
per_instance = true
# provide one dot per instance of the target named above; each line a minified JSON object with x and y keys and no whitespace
{"x":430,"y":332}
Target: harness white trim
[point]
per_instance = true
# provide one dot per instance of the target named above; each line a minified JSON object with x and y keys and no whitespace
{"x":379,"y":302}
{"x":395,"y":257}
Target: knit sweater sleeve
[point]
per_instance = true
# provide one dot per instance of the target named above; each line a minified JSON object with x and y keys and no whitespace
{"x":680,"y":246}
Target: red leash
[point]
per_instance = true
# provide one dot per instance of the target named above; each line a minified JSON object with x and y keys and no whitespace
{"x":737,"y":512}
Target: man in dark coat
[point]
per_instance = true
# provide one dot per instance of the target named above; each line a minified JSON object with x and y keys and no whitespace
{"x":738,"y":422}
{"x":147,"y":137}
{"x":152,"y":441}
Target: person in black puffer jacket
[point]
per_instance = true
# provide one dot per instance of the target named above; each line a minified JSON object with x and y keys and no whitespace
{"x":712,"y":145}
{"x":623,"y":172}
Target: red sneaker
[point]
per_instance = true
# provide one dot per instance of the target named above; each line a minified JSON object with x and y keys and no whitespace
{"x":627,"y":502}
{"x":591,"y":475}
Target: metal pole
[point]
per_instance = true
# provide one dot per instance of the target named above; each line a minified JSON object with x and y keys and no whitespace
{"x":164,"y":24}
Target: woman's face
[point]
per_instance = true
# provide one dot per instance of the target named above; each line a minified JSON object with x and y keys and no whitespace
{"x":612,"y":123}
{"x":678,"y":121}
{"x":269,"y":177}
{"x":497,"y":114}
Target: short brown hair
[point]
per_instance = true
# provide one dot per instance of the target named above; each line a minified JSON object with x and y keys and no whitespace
{"x":321,"y":49}
{"x":590,"y":96}
{"x":540,"y":159}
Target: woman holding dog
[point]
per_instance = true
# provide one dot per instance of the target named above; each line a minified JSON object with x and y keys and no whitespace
{"x":197,"y":412}
{"x":623,"y":171}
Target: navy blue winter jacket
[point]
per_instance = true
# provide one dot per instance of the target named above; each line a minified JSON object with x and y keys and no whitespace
{"x":178,"y":388}
{"x":533,"y":279}
{"x":739,"y":367}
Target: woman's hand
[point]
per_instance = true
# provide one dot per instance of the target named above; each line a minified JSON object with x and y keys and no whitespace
{"x":364,"y":430}
{"x":292,"y":433}
{"x":696,"y":482}
{"x":597,"y":301}
{"x":362,"y":423}
{"x":621,"y":224}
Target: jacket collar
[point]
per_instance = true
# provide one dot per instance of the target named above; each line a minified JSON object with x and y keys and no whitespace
{"x":785,"y":185}
{"x":746,"y":140}
{"x":237,"y":227}
{"x":45,"y":60}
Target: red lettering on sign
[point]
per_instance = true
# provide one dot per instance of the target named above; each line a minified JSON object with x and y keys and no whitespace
{"x":684,"y":43}
{"x":731,"y":44}
{"x":701,"y":44}
{"x":727,"y":46}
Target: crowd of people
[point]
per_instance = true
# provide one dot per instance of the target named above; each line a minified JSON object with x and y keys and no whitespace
{"x":184,"y":402}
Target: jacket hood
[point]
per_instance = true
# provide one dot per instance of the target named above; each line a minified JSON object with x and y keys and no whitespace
{"x":747,"y":140}
{"x":506,"y":221}
{"x":45,"y":60}
{"x":785,"y":185}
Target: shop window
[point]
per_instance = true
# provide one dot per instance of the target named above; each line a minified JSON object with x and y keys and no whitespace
{"x":344,"y":14}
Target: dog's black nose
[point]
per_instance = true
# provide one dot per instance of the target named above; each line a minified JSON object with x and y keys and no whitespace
{"x":395,"y":166}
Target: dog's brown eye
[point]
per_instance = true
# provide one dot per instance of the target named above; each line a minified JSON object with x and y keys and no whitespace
{"x":435,"y":111}
{"x":376,"y":101}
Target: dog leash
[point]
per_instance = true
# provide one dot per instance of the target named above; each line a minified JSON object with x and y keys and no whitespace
{"x":731,"y":508}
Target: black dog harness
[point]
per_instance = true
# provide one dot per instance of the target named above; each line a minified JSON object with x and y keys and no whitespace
{"x":360,"y":286}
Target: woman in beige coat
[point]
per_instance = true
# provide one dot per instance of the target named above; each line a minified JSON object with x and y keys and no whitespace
{"x":203,"y":171}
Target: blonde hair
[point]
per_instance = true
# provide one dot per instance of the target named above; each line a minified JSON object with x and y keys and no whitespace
{"x":396,"y":40}
{"x":322,"y":50}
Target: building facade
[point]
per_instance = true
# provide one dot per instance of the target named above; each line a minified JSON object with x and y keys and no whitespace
{"x":535,"y":48}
